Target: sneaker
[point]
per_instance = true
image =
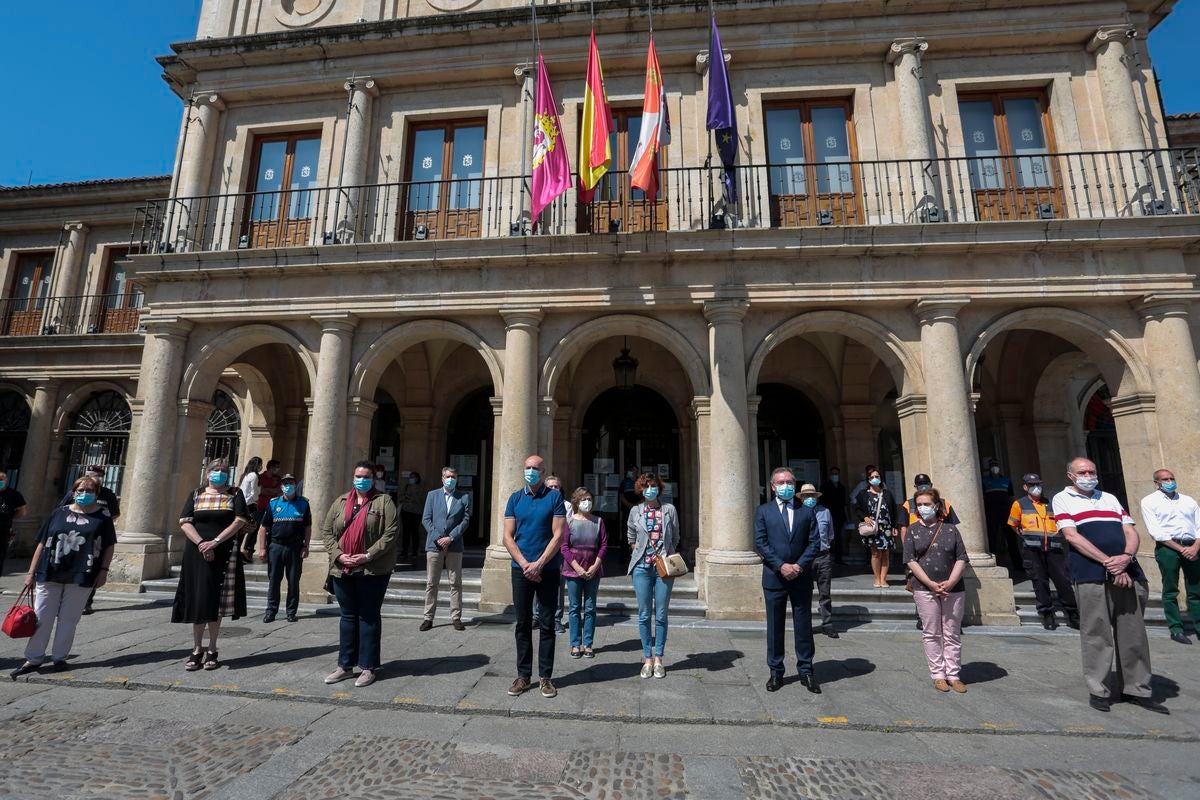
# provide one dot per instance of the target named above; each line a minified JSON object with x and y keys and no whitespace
{"x":660,"y":671}
{"x":576,"y":652}
{"x":647,"y":671}
{"x":518,"y":687}
{"x":338,"y":675}
{"x":548,"y":689}
{"x":958,"y":686}
{"x":365,"y":678}
{"x":941,"y":685}
{"x":458,"y":625}
{"x":559,"y":628}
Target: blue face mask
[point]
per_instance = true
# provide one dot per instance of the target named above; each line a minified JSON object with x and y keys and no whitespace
{"x":532,"y":475}
{"x":834,"y":478}
{"x":450,"y":483}
{"x":289,"y":490}
{"x":810,"y":502}
{"x":3,"y":484}
{"x":785,"y":492}
{"x":875,"y":481}
{"x":85,"y":498}
{"x":1169,"y":486}
{"x":218,"y":477}
{"x":650,"y":493}
{"x":363,"y":484}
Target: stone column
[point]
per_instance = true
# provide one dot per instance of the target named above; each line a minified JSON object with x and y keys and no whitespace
{"x":288,"y":438}
{"x":186,"y":215}
{"x":1172,"y":356}
{"x":360,"y":413}
{"x":700,"y":414}
{"x":32,"y":477}
{"x":914,"y":442}
{"x":1020,"y":457}
{"x":757,"y":479}
{"x":915,"y":124}
{"x":324,"y":473}
{"x":954,"y":456}
{"x":414,"y":438}
{"x":547,"y":409}
{"x":1121,"y":112}
{"x":191,"y":429}
{"x":525,"y":73}
{"x":66,"y":313}
{"x":733,"y":568}
{"x":141,"y":550}
{"x":518,"y":439}
{"x":358,"y":149}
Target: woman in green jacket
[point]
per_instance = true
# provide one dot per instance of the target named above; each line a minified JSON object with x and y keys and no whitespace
{"x":360,"y":534}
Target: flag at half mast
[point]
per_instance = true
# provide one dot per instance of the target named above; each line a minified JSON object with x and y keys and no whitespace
{"x":722,"y":118}
{"x":595,"y":149}
{"x":551,"y":169}
{"x":656,"y":129}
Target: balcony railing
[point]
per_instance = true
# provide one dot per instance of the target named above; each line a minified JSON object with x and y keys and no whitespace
{"x":64,"y":316}
{"x":1091,"y":185}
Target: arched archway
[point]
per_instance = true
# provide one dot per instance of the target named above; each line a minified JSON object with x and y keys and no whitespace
{"x":14,"y":428}
{"x":224,"y":432}
{"x":791,"y":433}
{"x":99,"y":434}
{"x":470,"y":433}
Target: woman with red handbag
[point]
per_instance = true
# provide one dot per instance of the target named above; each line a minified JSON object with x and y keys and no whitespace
{"x":75,"y":546}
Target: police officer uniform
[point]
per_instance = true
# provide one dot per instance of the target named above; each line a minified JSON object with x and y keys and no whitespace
{"x":1043,"y":554}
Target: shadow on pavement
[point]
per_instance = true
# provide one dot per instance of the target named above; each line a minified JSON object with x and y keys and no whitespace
{"x":982,"y":672}
{"x":717,"y":661}
{"x":446,"y":665}
{"x":844,"y":669}
{"x":278,"y":656}
{"x":597,"y":673}
{"x":1163,"y":688}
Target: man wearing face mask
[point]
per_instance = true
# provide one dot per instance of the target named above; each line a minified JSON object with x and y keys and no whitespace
{"x":1173,"y":519}
{"x":446,"y":517}
{"x":997,"y":500}
{"x":836,"y":497}
{"x":1043,"y":552}
{"x":533,"y":532}
{"x":283,"y":537}
{"x":822,"y":567}
{"x":1109,"y":587}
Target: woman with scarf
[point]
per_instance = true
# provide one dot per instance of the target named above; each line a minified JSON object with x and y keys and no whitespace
{"x":360,"y":535}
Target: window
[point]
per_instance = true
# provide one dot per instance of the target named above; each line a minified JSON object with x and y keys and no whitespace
{"x":810,"y":153}
{"x":615,"y":201}
{"x":281,"y":203}
{"x":1007,"y":139}
{"x":122,"y":299}
{"x":443,"y":176}
{"x":28,"y":294}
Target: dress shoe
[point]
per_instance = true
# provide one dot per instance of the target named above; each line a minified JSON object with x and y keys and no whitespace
{"x":88,"y":610}
{"x":941,"y":685}
{"x":1049,"y":622}
{"x":958,"y":686}
{"x":518,"y":686}
{"x":365,"y":678}
{"x":291,"y":617}
{"x":810,"y":682}
{"x":1148,"y":703}
{"x":1099,"y":703}
{"x":1073,"y":621}
{"x":458,"y":625}
{"x":774,"y":682}
{"x":339,"y":674}
{"x":24,"y":669}
{"x":268,"y":617}
{"x":547,"y":687}
{"x":426,"y":624}
{"x":830,"y":631}
{"x":1180,"y":637}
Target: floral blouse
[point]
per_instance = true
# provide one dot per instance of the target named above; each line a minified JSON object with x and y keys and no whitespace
{"x":71,"y":546}
{"x":653,"y":519}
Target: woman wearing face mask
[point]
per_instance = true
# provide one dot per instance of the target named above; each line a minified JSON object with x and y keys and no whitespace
{"x":412,"y":503}
{"x":583,"y":548}
{"x":360,"y":534}
{"x":251,"y":489}
{"x":651,"y":530}
{"x":74,"y":548}
{"x":934,"y":551}
{"x":876,"y":505}
{"x":212,"y":584}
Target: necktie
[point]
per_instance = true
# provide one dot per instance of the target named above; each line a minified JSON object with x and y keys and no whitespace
{"x":783,"y":509}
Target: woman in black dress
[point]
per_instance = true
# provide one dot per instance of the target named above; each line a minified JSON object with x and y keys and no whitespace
{"x":212,"y":584}
{"x":877,"y":506}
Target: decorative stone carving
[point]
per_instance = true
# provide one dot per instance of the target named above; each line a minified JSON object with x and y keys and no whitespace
{"x":301,"y":13}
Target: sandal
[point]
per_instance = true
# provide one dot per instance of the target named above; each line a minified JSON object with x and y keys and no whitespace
{"x":575,"y":652}
{"x":193,"y":662}
{"x":210,"y":660}
{"x":589,"y":652}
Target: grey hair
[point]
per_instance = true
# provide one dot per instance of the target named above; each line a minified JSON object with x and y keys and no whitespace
{"x":449,"y":469}
{"x":1075,"y":460}
{"x":780,"y":471}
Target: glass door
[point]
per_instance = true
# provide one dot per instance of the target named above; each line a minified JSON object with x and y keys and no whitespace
{"x":813,"y":180}
{"x":281,"y":204}
{"x":1012,"y":173}
{"x":444,"y":193}
{"x":27,"y":298}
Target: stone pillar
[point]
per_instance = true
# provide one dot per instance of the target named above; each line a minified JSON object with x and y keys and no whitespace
{"x":914,"y":441}
{"x":954,"y":457}
{"x":757,"y":479}
{"x":547,"y":409}
{"x":915,"y":125}
{"x":733,"y":568}
{"x":288,"y":438}
{"x":1054,"y":449}
{"x":324,"y":475}
{"x":861,"y":441}
{"x":358,"y":149}
{"x":1020,"y":457}
{"x":700,"y":414}
{"x":1172,"y":356}
{"x":414,"y":438}
{"x":566,"y":466}
{"x":141,"y":550}
{"x":68,"y":315}
{"x":1143,"y":446}
{"x":191,"y":428}
{"x":186,"y":215}
{"x":525,"y":73}
{"x":360,"y":413}
{"x":1121,"y":112}
{"x":31,"y":480}
{"x":518,"y":439}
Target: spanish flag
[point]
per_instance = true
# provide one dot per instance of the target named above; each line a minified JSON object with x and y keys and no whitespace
{"x":656,"y":129}
{"x":595,"y":150}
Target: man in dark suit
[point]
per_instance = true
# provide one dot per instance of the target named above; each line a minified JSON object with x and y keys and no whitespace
{"x":785,"y":535}
{"x":447,"y":514}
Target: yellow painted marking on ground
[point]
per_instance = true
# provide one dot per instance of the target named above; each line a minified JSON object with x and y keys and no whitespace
{"x":116,"y":680}
{"x":281,"y":691}
{"x":833,"y":720}
{"x":405,"y":700}
{"x":1089,"y":728}
{"x":908,"y":722}
{"x":229,"y":687}
{"x":464,"y":704}
{"x":341,"y":695}
{"x":995,"y":726}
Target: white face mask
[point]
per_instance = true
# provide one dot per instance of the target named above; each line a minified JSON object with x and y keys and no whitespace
{"x":1035,"y":491}
{"x":585,"y":506}
{"x":926,"y":512}
{"x":1086,"y":484}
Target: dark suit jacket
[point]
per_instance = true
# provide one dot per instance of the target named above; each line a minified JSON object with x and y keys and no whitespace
{"x":438,"y":523}
{"x":778,"y":546}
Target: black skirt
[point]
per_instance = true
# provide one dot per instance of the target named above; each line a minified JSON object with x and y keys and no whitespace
{"x":210,"y":590}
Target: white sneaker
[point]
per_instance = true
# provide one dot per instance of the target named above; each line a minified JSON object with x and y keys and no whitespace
{"x":647,"y":670}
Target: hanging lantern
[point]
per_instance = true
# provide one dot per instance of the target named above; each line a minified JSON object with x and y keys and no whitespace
{"x":625,"y":368}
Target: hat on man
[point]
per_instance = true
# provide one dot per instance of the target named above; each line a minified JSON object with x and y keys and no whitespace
{"x":96,"y":468}
{"x":1032,"y":479}
{"x":808,"y":489}
{"x":288,"y":477}
{"x":922,"y":480}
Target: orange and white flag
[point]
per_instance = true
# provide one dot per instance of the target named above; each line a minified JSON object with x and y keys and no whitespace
{"x":656,"y":129}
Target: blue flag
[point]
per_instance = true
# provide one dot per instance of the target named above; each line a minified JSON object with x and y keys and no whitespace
{"x":721,"y":117}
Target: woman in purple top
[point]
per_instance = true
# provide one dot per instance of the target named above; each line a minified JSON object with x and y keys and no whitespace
{"x":583,"y":547}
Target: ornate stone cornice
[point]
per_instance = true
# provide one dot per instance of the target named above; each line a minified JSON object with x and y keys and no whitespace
{"x":702,"y":61}
{"x":547,"y":406}
{"x":701,"y":407}
{"x":208,"y":98}
{"x":75,"y":227}
{"x":909,"y":44}
{"x":195,"y":409}
{"x":361,"y":407}
{"x":1133,"y":403}
{"x":523,"y":71}
{"x":1111,"y":34}
{"x":752,"y":403}
{"x":168,"y":328}
{"x":1161,"y":306}
{"x":336,"y":323}
{"x":908,"y":405}
{"x":497,"y":404}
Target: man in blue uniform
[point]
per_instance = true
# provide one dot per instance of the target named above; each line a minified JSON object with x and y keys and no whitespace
{"x":283,"y":537}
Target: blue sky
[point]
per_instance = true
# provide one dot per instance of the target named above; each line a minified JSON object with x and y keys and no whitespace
{"x":57,"y":73}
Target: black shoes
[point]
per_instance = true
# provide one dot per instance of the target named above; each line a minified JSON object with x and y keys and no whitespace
{"x":269,"y":617}
{"x":1099,"y":703}
{"x":24,"y":669}
{"x":1073,"y":621}
{"x":291,"y":617}
{"x":458,"y":625}
{"x":88,"y":610}
{"x":426,"y":624}
{"x":1148,"y":703}
{"x":1049,"y":622}
{"x":1180,"y":637}
{"x":810,"y":682}
{"x":830,"y":631}
{"x":774,"y":683}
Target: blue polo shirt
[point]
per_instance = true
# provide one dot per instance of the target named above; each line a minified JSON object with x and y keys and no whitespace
{"x":1099,"y":518}
{"x":285,"y":520}
{"x":535,"y":513}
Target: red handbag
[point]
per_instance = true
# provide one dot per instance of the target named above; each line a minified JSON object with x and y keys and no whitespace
{"x":20,"y":622}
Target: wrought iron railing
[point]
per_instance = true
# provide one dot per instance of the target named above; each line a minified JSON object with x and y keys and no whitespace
{"x":1030,"y":186}
{"x":79,"y":315}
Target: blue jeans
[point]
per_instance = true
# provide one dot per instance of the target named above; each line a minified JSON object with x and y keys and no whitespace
{"x":654,"y":597}
{"x":361,"y":598}
{"x":583,"y":605}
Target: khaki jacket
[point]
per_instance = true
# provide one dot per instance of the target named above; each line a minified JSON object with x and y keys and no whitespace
{"x":380,"y":535}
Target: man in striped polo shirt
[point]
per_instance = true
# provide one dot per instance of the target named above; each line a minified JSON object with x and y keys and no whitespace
{"x":1109,"y":587}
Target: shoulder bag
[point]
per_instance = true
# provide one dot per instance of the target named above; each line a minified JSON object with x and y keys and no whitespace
{"x":871,"y":528}
{"x":910,"y":582}
{"x":671,"y":566}
{"x":21,"y":621}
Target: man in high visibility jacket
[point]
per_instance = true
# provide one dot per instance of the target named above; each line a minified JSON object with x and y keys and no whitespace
{"x":1043,"y":552}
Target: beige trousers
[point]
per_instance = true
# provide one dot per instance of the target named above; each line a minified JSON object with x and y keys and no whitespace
{"x":1112,"y":628}
{"x":433,"y":576}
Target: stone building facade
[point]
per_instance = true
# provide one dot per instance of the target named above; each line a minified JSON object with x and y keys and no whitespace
{"x":960,"y":234}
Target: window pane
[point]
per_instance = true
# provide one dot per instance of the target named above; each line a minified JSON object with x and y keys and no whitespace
{"x":785,"y":145}
{"x":466,"y":167}
{"x":304,"y":176}
{"x":979,"y":136}
{"x":268,"y":180}
{"x":116,"y":281}
{"x":32,"y":281}
{"x":1024,"y":118}
{"x":832,"y":145}
{"x":426,"y":168}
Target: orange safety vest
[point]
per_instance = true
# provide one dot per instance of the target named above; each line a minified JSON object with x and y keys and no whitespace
{"x":1032,"y":518}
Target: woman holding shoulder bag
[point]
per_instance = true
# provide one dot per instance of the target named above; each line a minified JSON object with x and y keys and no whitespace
{"x":934,"y":551}
{"x":653,"y":533}
{"x":876,"y":510}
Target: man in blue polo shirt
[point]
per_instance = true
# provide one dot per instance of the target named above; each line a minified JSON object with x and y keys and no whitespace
{"x":1110,"y":589}
{"x":533,"y":531}
{"x":283,"y":536}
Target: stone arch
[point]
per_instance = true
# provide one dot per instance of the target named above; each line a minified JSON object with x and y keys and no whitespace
{"x":1120,"y":363}
{"x":205,"y":368}
{"x":27,"y":396}
{"x":579,"y":340}
{"x":261,"y":410}
{"x":75,"y":399}
{"x":374,"y":362}
{"x":878,"y":338}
